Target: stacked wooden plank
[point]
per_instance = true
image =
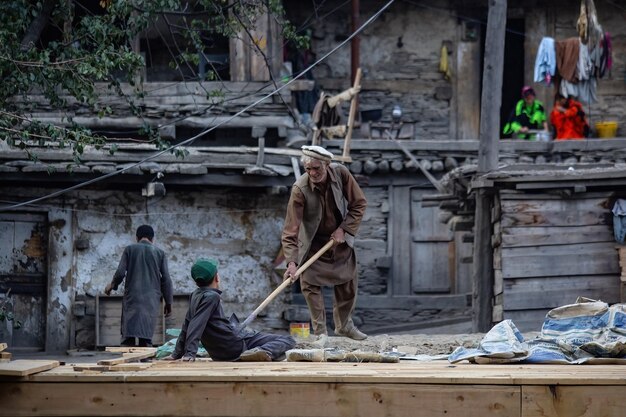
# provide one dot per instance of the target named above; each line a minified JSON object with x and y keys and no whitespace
{"x":548,"y":250}
{"x":126,"y":363}
{"x":23,"y":367}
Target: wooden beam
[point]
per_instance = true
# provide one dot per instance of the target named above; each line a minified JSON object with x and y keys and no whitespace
{"x":23,"y":367}
{"x":352,"y":115}
{"x":424,"y":171}
{"x":122,"y":367}
{"x":192,"y":121}
{"x":128,"y":357}
{"x":492,"y":87}
{"x":557,"y":400}
{"x":261,"y":153}
{"x":470,"y":146}
{"x":483,"y":275}
{"x":260,"y":399}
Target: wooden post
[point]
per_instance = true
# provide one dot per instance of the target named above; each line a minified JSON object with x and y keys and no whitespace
{"x":260,"y":157}
{"x":483,"y":274}
{"x":351,"y":116}
{"x":295,"y":164}
{"x":355,"y":45}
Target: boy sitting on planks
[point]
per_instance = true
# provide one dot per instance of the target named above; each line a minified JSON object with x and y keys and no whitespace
{"x":205,"y":321}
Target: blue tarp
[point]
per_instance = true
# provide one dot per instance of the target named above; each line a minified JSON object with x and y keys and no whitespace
{"x":585,"y":332}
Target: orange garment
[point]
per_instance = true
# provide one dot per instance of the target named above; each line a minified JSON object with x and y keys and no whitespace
{"x":571,"y":123}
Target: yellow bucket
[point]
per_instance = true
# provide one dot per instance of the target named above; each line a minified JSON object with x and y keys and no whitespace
{"x":300,"y":330}
{"x":606,"y":129}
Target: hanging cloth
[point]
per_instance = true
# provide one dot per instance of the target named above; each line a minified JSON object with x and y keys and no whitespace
{"x":581,"y":24}
{"x":545,"y":63}
{"x":585,"y":66}
{"x":444,"y":65}
{"x":594,"y":29}
{"x":567,"y":52}
{"x":606,"y":55}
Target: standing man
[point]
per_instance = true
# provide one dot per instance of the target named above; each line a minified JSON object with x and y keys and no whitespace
{"x":144,"y":266}
{"x":205,"y":322}
{"x":326,"y":203}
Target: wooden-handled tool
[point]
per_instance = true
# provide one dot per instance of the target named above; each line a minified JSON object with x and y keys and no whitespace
{"x":286,"y":282}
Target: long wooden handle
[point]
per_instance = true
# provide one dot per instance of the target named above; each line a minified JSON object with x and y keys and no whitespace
{"x":286,"y":282}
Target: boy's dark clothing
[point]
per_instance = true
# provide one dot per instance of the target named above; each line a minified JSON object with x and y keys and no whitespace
{"x":205,"y":321}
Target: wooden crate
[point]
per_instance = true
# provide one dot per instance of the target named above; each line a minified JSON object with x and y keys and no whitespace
{"x":109,"y":317}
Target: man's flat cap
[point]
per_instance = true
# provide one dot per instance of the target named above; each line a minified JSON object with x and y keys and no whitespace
{"x":317,"y":152}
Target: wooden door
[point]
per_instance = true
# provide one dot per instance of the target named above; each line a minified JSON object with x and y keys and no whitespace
{"x":23,"y":276}
{"x":423,"y":247}
{"x":431,"y":247}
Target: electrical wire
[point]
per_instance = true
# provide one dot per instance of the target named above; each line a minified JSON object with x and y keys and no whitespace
{"x":193,"y":138}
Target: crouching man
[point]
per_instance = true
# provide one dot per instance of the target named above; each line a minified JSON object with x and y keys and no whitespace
{"x":205,"y":321}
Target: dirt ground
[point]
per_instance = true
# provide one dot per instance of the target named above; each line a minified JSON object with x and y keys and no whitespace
{"x":414,"y":344}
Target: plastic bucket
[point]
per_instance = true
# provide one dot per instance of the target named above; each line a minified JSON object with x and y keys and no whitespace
{"x":544,"y":136}
{"x":300,"y":329}
{"x":606,"y":129}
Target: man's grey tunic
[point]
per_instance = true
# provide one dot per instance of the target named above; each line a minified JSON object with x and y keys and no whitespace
{"x":144,"y":266}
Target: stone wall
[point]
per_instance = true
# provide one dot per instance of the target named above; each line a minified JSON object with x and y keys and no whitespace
{"x":400,"y":53}
{"x":399,"y":58}
{"x":240,"y":228}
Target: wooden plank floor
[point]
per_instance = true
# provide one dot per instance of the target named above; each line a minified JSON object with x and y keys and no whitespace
{"x":321,"y":389}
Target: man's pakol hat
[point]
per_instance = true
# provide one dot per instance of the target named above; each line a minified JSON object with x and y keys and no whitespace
{"x":317,"y":152}
{"x":204,"y":270}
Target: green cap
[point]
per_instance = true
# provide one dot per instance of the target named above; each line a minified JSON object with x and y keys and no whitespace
{"x":204,"y":269}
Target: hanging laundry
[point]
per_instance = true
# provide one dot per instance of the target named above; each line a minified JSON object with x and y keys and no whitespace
{"x":444,"y":65}
{"x":594,"y":29}
{"x":606,"y":57}
{"x":584,"y":91}
{"x":567,"y":52}
{"x":545,"y":63}
{"x":584,"y":67}
{"x":587,"y":91}
{"x":581,"y":23}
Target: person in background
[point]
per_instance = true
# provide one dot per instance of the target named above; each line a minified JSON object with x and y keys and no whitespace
{"x":568,"y":119}
{"x":205,"y":322}
{"x":144,"y":267}
{"x":325,"y":203}
{"x":527,"y":115}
